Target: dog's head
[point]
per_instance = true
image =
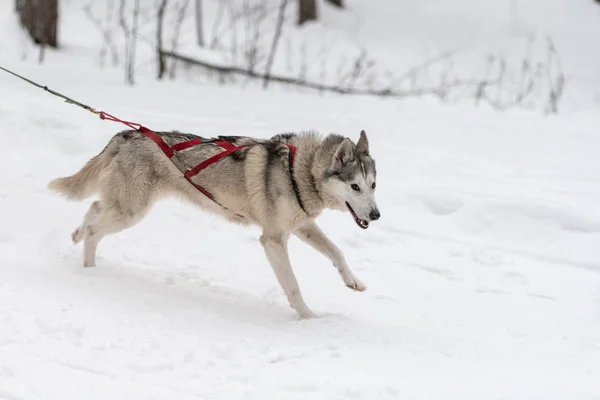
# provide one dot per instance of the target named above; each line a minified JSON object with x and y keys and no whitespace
{"x":350,"y":181}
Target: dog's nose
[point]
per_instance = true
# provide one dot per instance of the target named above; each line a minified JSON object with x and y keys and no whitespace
{"x":374,"y":215}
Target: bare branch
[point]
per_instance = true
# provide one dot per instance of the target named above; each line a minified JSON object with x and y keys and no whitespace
{"x":215,"y":37}
{"x":424,"y":65}
{"x":159,"y":42}
{"x":176,"y":33}
{"x":556,"y":84}
{"x":199,"y":23}
{"x":105,"y":31}
{"x":132,"y":47}
{"x":127,"y":35}
{"x":276,"y":38}
{"x":224,"y":71}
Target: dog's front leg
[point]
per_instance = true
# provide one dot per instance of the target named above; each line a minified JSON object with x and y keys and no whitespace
{"x":314,"y":236}
{"x":276,"y":250}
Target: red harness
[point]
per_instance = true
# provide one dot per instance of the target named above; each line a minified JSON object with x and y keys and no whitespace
{"x":171,"y":153}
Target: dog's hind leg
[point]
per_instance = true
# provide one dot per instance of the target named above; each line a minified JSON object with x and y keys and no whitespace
{"x":89,"y":248}
{"x":276,"y":250}
{"x":113,"y":218}
{"x":91,"y":216}
{"x":121,"y":207}
{"x":314,"y":236}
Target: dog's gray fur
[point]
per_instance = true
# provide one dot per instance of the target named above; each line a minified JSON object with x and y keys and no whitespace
{"x":132,"y":173}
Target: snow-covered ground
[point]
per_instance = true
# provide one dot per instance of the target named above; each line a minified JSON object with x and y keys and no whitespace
{"x":483,"y":274}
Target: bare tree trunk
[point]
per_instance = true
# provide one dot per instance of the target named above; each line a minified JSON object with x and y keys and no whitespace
{"x":199,"y":24}
{"x":159,"y":43}
{"x":40,"y":18}
{"x":280,"y":20}
{"x":130,"y":39}
{"x":106,"y":29}
{"x":307,"y":11}
{"x":338,"y":3}
{"x":126,"y":36}
{"x":42,"y":53}
{"x":134,"y":33}
{"x":176,"y":32}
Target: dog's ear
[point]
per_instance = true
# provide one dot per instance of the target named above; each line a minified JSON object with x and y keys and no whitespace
{"x":363,"y":143}
{"x":343,"y":155}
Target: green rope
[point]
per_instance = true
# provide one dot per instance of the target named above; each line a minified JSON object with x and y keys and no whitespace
{"x":52,"y":92}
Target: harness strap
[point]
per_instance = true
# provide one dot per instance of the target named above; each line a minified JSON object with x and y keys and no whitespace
{"x":170,"y":151}
{"x":158,"y":140}
{"x":186,"y":145}
{"x":208,"y":194}
{"x":227,"y":145}
{"x":291,"y":160}
{"x":229,"y":148}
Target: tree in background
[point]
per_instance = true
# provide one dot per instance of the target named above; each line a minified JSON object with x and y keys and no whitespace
{"x":340,"y":3}
{"x":40,"y":19}
{"x":199,"y":26}
{"x":307,"y":11}
{"x":160,"y":18}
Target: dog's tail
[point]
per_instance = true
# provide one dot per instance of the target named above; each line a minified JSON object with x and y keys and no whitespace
{"x":84,"y":183}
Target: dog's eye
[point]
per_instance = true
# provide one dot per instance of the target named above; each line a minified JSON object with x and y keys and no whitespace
{"x":355,"y":187}
{"x":373,"y":185}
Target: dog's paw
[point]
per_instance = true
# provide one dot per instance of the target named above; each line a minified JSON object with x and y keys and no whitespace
{"x":304,"y":312}
{"x":355,"y":284}
{"x":307,"y":314}
{"x":77,"y":235}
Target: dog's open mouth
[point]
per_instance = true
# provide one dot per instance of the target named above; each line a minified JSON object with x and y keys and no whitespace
{"x":364,"y":224}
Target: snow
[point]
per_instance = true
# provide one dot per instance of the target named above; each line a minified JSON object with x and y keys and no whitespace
{"x":483,"y":274}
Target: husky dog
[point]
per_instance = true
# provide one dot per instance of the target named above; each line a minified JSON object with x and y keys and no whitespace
{"x":253,"y":185}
